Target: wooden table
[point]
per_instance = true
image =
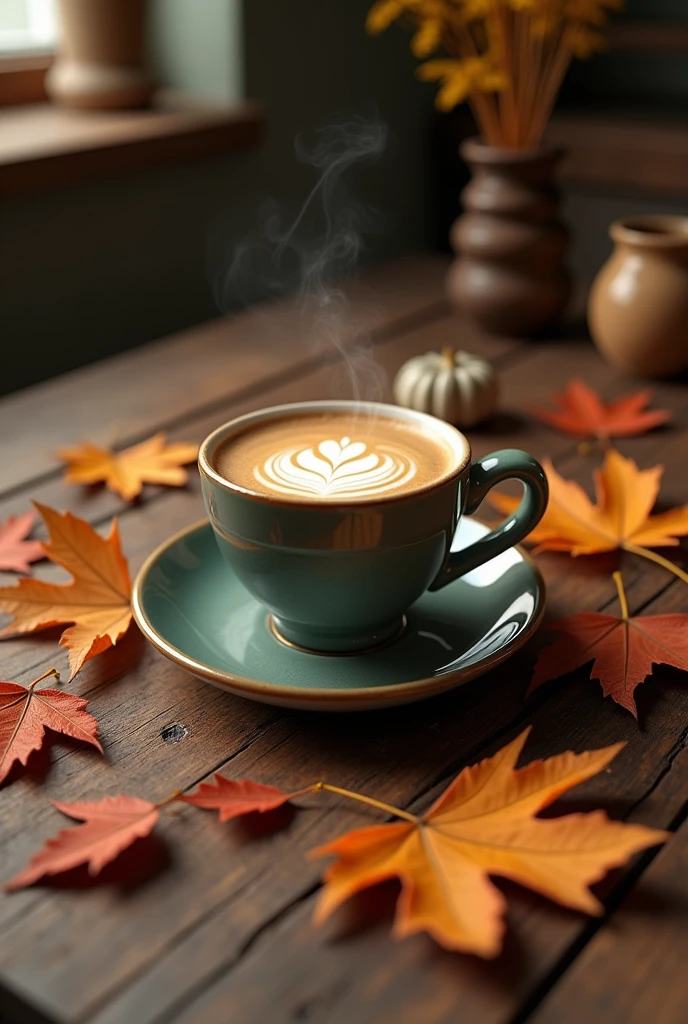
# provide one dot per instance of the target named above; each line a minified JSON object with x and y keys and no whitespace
{"x":214,"y":927}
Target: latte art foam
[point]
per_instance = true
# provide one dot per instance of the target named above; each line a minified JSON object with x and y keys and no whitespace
{"x":336,"y":467}
{"x":330,"y":456}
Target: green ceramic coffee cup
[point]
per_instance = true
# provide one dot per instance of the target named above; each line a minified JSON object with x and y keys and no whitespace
{"x":338,"y":577}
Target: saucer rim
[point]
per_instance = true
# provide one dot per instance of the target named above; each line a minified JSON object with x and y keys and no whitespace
{"x":257,"y":689}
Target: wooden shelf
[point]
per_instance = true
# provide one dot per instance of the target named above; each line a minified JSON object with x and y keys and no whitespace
{"x":648,"y":36}
{"x":42,"y":146}
{"x":645,"y":153}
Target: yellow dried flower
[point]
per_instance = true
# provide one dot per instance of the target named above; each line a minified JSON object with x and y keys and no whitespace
{"x":543,"y":25}
{"x":459,"y":78}
{"x":382,"y":14}
{"x":591,"y":12}
{"x":427,"y":38}
{"x":519,"y":47}
{"x":584,"y":42}
{"x":525,"y":5}
{"x":463,"y":11}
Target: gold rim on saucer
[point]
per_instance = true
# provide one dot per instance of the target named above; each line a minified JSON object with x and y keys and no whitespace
{"x":276,"y":693}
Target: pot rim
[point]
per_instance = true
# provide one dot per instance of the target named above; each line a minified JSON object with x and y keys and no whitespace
{"x":651,"y":231}
{"x":475,"y":150}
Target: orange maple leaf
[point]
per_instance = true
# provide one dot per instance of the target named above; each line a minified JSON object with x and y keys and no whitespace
{"x":15,"y":551}
{"x":483,"y":825}
{"x":25,"y":714}
{"x":620,"y":520}
{"x":97,"y":601}
{"x":621,"y":651}
{"x":582,"y":413}
{"x":125,"y":472}
{"x":111,"y":825}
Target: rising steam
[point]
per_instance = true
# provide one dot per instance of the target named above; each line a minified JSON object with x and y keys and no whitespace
{"x":309,"y":253}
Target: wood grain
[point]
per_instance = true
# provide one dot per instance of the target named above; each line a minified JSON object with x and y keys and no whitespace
{"x":648,"y":155}
{"x":648,"y":36}
{"x":514,"y":426}
{"x":126,"y":398}
{"x":650,"y":932}
{"x":221,"y":931}
{"x":45,"y":146}
{"x":352,"y":970}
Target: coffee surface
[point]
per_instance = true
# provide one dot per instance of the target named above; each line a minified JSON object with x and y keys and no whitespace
{"x":333,"y":456}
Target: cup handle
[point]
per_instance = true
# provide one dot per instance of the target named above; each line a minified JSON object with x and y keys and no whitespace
{"x":486,"y":473}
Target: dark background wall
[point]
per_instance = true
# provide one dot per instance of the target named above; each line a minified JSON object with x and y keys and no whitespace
{"x":89,"y":270}
{"x":644,"y":79}
{"x":644,"y":86}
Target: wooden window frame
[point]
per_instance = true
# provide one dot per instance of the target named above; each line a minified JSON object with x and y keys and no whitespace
{"x":43,"y":145}
{"x":22,"y":79}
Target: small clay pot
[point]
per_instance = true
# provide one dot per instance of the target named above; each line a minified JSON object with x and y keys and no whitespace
{"x":638,"y":307}
{"x":101,"y":58}
{"x":510,"y":277}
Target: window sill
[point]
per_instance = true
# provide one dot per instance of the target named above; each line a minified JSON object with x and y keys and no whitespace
{"x":43,"y":146}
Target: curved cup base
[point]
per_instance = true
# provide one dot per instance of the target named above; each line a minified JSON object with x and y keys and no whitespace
{"x":336,"y":645}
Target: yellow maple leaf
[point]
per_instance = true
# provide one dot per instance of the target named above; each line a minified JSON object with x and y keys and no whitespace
{"x":125,"y":472}
{"x":484,"y":824}
{"x":97,"y":601}
{"x":620,"y":519}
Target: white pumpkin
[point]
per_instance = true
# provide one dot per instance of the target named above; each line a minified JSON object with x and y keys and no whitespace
{"x":454,"y":386}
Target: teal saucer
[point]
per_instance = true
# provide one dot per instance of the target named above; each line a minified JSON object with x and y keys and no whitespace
{"x":190,"y":606}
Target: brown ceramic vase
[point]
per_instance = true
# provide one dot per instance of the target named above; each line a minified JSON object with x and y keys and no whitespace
{"x":638,"y":308}
{"x":510,"y":276}
{"x":101,"y":59}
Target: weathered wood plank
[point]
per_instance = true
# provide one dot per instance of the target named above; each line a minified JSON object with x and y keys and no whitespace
{"x":181,"y":931}
{"x":282,"y":968}
{"x":530,"y":379}
{"x":325,"y":382}
{"x":397,"y":755}
{"x":133,"y":394}
{"x":633,"y":970}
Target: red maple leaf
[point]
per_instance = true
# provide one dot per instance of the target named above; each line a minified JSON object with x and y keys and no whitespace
{"x":111,"y":825}
{"x":233,"y":798}
{"x":622,"y":650}
{"x":25,"y":714}
{"x":582,"y":412}
{"x":15,"y":551}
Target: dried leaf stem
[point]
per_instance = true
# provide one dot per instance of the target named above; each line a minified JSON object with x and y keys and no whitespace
{"x":50,"y":672}
{"x":388,"y":808}
{"x":31,"y":686}
{"x":320,"y":787}
{"x":618,"y":580}
{"x":172,"y":798}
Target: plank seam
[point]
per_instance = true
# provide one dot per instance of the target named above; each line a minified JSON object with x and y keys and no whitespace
{"x":217,"y":910}
{"x":396,"y":328}
{"x":177,"y":940}
{"x":615,"y":899}
{"x":244,"y":950}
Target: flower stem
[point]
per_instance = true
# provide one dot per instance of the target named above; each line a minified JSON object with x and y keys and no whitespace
{"x":396,"y":811}
{"x":652,"y":556}
{"x":50,"y":672}
{"x":170,"y":799}
{"x":618,"y":579}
